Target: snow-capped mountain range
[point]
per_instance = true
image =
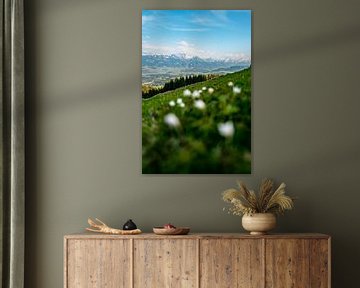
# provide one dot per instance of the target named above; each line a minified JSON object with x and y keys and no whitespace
{"x":182,"y":61}
{"x":158,"y":69}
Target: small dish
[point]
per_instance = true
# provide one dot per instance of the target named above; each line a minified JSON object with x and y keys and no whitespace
{"x":171,"y":231}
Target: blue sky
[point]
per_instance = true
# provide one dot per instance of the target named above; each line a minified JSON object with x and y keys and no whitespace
{"x":215,"y":34}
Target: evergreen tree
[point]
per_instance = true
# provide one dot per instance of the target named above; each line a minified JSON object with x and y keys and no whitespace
{"x":177,"y":83}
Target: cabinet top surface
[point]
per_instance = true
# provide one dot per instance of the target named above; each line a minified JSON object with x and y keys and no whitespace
{"x":87,"y":235}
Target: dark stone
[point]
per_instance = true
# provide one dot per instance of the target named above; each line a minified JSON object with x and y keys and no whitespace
{"x":129,"y":225}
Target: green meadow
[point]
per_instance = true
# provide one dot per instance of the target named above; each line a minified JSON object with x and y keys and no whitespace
{"x":207,"y":132}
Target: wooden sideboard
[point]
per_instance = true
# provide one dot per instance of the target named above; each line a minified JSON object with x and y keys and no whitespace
{"x":197,"y":260}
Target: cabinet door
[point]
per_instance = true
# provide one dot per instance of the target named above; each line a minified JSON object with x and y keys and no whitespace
{"x":98,"y":263}
{"x":231,"y":263}
{"x":320,"y":263}
{"x":287,"y":263}
{"x":165,"y":263}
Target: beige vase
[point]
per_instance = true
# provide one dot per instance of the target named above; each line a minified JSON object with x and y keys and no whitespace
{"x":259,"y":223}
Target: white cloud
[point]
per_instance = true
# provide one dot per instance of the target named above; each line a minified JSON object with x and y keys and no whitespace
{"x":219,"y":19}
{"x":186,"y":29}
{"x":146,"y":18}
{"x":156,"y":49}
{"x":190,"y":50}
{"x":204,"y":21}
{"x":220,"y":15}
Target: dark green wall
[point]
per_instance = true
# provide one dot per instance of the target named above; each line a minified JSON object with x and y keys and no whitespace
{"x":83,"y":126}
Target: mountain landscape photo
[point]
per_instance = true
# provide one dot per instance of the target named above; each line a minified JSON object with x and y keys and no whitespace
{"x":196,"y":91}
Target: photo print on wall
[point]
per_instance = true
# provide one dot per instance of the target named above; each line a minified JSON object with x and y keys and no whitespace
{"x":196,"y":92}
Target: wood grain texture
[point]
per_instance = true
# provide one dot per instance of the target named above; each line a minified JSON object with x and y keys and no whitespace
{"x":197,"y":260}
{"x":231,"y":263}
{"x":166,"y":263}
{"x":88,"y":235}
{"x":319,"y":263}
{"x":287,"y":263}
{"x":98,"y":264}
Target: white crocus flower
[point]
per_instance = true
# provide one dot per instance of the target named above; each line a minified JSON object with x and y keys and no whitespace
{"x":203,"y":88}
{"x":182,"y":104}
{"x":179,"y":100}
{"x":226,"y":129}
{"x":187,"y":92}
{"x":172,"y":120}
{"x":211,"y":90}
{"x":200,"y":104}
{"x":172,"y":103}
{"x":237,"y":90}
{"x":230,"y":84}
{"x":196,"y":94}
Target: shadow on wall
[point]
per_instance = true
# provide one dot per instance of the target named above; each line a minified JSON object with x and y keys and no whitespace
{"x":124,"y":87}
{"x":313,"y":213}
{"x":100,"y":93}
{"x":344,"y":36}
{"x":70,"y":4}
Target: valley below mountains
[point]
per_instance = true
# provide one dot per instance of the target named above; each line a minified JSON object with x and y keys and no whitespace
{"x":158,"y":69}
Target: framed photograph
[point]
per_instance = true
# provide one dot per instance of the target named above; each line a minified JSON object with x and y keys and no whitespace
{"x":196,"y":92}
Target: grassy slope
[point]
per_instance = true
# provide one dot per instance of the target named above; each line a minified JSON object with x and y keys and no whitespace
{"x":196,"y":146}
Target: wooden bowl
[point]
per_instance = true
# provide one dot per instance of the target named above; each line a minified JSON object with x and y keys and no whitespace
{"x":171,"y":231}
